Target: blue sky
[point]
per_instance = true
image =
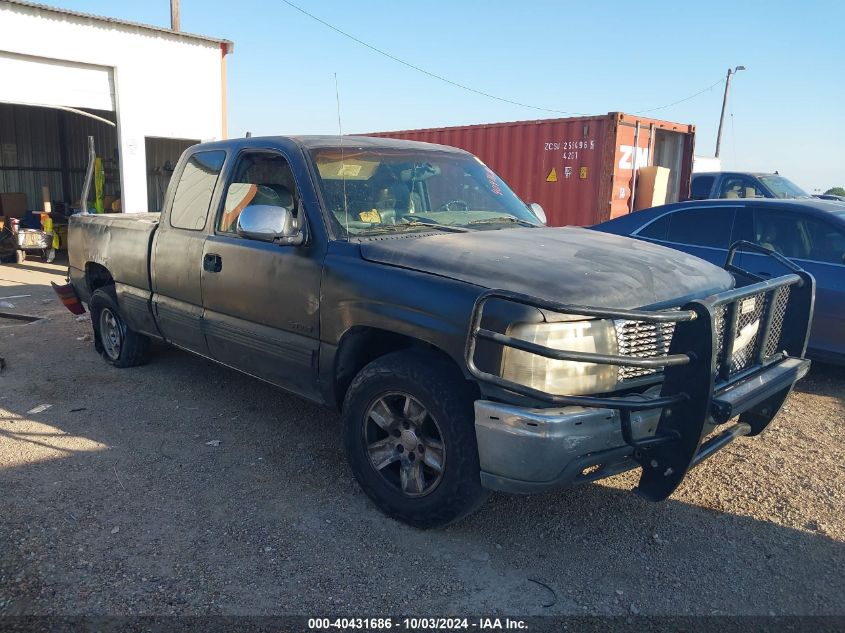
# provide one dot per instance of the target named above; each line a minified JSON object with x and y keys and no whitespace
{"x":785,"y":111}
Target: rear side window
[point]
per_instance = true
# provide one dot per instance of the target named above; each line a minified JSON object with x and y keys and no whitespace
{"x":702,"y":227}
{"x":658,"y":229}
{"x":194,"y":190}
{"x":701,"y":186}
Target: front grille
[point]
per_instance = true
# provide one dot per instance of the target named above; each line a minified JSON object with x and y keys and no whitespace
{"x":641,"y":338}
{"x":773,"y":345}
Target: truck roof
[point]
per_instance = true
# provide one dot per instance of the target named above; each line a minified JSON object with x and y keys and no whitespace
{"x":331,"y":140}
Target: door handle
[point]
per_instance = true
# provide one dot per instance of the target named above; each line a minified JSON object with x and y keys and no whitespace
{"x":213,"y":263}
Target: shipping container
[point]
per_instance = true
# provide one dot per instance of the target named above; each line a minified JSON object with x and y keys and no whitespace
{"x":581,"y":170}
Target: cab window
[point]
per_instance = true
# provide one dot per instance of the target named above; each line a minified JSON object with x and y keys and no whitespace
{"x":701,"y":186}
{"x":194,"y":190}
{"x":259,"y":178}
{"x":740,"y":187}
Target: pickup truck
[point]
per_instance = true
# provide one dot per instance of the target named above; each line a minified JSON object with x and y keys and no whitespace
{"x":732,"y":184}
{"x":467,"y":346}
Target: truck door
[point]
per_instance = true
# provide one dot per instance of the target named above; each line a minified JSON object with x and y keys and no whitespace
{"x":261,"y":299}
{"x":176,"y":261}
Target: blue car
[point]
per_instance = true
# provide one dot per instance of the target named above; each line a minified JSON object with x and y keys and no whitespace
{"x":809,"y":232}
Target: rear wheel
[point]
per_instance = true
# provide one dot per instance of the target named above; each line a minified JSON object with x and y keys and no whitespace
{"x":116,"y":343}
{"x":409,"y":435}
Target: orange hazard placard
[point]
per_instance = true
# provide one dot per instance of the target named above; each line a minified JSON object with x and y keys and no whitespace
{"x":552,"y":177}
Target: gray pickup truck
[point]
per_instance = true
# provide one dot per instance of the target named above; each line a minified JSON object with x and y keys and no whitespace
{"x":467,"y":346}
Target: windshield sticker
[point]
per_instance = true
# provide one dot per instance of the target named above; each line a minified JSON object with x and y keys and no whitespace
{"x":349,"y":171}
{"x":493,"y":180}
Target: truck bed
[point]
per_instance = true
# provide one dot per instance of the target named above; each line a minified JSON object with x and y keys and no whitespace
{"x":119,"y":242}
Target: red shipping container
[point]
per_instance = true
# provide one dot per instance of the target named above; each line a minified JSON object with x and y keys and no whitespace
{"x":581,"y":170}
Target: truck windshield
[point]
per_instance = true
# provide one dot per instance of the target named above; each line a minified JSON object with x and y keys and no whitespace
{"x":372,"y":191}
{"x":783,"y":187}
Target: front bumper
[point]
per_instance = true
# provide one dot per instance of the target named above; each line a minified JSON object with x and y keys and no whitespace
{"x":525,"y":450}
{"x":734,"y":353}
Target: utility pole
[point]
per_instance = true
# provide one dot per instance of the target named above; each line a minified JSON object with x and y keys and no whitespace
{"x":724,"y":105}
{"x":174,"y":15}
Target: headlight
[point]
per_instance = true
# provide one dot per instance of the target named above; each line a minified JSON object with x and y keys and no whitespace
{"x":563,"y":377}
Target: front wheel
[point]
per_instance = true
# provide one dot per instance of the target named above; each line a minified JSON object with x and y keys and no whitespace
{"x":116,"y":343}
{"x":409,"y":436}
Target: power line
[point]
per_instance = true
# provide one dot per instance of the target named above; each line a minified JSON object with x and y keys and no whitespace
{"x":469,"y":88}
{"x":693,"y":96}
{"x":424,"y":71}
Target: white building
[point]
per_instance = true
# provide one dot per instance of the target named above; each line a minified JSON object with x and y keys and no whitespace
{"x":164,"y":90}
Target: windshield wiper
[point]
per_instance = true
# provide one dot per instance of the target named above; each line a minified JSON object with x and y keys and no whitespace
{"x":504,"y":218}
{"x":391,"y":228}
{"x":433,"y":225}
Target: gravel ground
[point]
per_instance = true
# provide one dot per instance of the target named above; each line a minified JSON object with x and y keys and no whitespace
{"x":185,"y":488}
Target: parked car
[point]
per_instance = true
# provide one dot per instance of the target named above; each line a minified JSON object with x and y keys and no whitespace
{"x":829,"y":196}
{"x":811,"y":233}
{"x":467,"y":346}
{"x":736,"y":184}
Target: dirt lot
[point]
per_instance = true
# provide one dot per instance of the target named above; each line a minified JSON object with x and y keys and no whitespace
{"x":118,"y":499}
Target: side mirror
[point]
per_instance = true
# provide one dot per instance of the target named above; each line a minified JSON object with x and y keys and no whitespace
{"x":267,"y":223}
{"x":537,"y":210}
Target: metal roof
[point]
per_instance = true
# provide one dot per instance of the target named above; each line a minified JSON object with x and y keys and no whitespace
{"x":228,"y":44}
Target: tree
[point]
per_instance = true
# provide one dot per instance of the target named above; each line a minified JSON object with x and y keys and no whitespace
{"x":835,"y":191}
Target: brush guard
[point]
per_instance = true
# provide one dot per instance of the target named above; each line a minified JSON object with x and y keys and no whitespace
{"x":735,"y":353}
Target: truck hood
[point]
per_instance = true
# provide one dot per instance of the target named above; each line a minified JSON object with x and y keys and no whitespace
{"x":571,"y":265}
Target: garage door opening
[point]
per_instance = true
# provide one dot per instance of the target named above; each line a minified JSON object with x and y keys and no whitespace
{"x":46,"y":147}
{"x":43,"y":159}
{"x":162,"y":156}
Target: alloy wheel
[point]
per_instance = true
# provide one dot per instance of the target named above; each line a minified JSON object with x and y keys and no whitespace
{"x":404,"y":444}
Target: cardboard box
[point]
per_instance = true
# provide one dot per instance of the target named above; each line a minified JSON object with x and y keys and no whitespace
{"x":13,"y":205}
{"x":652,"y":187}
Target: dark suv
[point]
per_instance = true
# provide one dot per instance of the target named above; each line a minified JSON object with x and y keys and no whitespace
{"x":736,"y":184}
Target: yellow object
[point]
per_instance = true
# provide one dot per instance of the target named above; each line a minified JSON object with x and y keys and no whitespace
{"x":370,"y":216}
{"x":552,"y":177}
{"x":47,"y":226}
{"x":99,"y":183}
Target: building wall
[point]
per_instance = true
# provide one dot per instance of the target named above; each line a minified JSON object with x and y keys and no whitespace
{"x":166,"y":85}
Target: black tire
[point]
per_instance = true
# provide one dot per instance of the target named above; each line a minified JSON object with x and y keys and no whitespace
{"x":444,"y":400}
{"x":116,"y":343}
